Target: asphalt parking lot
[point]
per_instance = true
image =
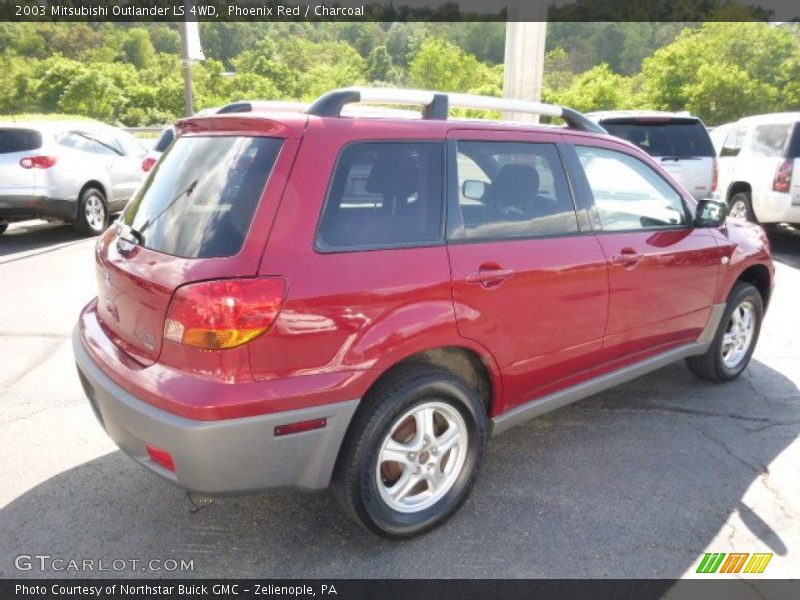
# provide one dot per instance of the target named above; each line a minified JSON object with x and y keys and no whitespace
{"x":639,"y":481}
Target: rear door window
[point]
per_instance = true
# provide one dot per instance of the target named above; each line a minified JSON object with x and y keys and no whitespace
{"x":674,"y":137}
{"x":384,"y":195}
{"x":130,"y":145}
{"x":770,"y":140}
{"x":510,"y":190}
{"x":200,"y":200}
{"x":19,"y":140}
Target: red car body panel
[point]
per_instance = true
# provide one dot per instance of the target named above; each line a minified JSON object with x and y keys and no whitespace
{"x":568,"y":313}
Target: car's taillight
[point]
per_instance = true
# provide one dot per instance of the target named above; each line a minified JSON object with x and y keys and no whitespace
{"x":715,"y":175}
{"x":783,"y":176}
{"x":148,"y":163}
{"x":37,"y":162}
{"x":214,"y":315}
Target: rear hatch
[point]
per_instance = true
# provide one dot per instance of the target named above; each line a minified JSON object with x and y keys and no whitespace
{"x":203,"y":213}
{"x":17,"y":143}
{"x":681,"y":144}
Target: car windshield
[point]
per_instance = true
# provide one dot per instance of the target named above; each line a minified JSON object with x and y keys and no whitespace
{"x":681,"y":138}
{"x":200,"y":199}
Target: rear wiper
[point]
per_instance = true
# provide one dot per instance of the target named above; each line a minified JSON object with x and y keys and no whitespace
{"x":186,"y":192}
{"x":138,"y":234}
{"x":127,"y":230}
{"x":677,"y":158}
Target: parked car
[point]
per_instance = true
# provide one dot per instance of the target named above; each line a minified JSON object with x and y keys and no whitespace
{"x":162,"y":143}
{"x":760,"y":168}
{"x":679,"y":141}
{"x":78,"y":172}
{"x":311,"y":300}
{"x":718,"y":135}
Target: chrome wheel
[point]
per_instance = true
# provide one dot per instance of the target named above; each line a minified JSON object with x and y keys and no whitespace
{"x":422,"y":457}
{"x":95,"y":212}
{"x":738,"y":210}
{"x":738,"y":334}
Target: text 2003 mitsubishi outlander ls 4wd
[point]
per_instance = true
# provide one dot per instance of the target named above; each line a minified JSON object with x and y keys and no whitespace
{"x":312,"y":300}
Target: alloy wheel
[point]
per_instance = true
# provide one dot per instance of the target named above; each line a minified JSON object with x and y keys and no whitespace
{"x":738,"y":210}
{"x":421,"y":457}
{"x":738,"y":334}
{"x":95,"y":211}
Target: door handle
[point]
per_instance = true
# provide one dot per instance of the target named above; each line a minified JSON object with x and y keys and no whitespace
{"x":489,"y":276}
{"x":628,"y":257}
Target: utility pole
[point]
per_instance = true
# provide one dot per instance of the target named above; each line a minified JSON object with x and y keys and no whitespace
{"x":526,"y":30}
{"x":188,"y":94}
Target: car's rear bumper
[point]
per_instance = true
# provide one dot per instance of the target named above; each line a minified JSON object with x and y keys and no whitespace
{"x":217,"y":457}
{"x":18,"y":207}
{"x":777,"y":207}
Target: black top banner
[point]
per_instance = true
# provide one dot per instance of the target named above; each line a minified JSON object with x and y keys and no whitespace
{"x":400,"y":10}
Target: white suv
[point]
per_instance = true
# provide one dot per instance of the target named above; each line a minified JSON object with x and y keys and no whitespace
{"x":759,"y":168}
{"x":679,"y":141}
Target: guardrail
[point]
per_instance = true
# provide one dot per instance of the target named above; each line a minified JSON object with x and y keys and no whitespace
{"x":135,"y":130}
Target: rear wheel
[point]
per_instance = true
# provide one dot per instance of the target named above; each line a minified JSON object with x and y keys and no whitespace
{"x":736,"y":337}
{"x":92,"y":212}
{"x":741,"y":207}
{"x":413,"y":455}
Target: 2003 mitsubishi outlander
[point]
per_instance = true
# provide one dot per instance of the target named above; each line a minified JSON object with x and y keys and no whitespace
{"x":309,"y":299}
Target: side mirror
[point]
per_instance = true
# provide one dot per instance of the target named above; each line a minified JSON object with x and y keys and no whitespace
{"x":710,"y":213}
{"x":473,"y":189}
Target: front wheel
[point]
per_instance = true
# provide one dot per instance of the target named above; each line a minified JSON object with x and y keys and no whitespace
{"x":736,"y":336}
{"x":3,"y":228}
{"x":92,"y":212}
{"x":413,"y":454}
{"x":741,"y":207}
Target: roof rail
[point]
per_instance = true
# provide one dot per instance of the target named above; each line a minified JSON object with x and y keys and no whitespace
{"x":437,"y":105}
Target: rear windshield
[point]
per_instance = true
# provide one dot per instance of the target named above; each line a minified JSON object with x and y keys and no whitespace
{"x":200,"y":199}
{"x":19,"y":140}
{"x":165,"y":140}
{"x":670,"y":137}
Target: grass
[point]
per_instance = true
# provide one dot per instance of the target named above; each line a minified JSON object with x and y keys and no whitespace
{"x":43,"y":117}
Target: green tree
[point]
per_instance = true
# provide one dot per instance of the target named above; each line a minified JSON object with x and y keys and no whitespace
{"x":558,"y":71}
{"x":380,"y":66}
{"x":723,"y":71}
{"x":137,"y":48}
{"x":93,"y":94}
{"x":165,"y":38}
{"x":444,"y":66}
{"x":598,"y":88}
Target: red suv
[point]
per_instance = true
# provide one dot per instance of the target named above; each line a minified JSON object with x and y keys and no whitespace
{"x":313,"y":300}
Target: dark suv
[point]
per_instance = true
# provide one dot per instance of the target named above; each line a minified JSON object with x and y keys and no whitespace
{"x":306,"y":299}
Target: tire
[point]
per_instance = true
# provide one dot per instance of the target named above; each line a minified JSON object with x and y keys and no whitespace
{"x":3,"y":228}
{"x":92,"y":212}
{"x":740,"y":206}
{"x":436,"y":481}
{"x":719,"y":364}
